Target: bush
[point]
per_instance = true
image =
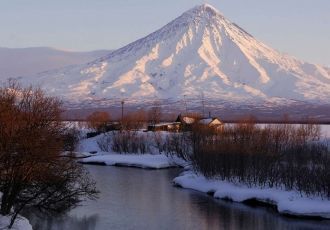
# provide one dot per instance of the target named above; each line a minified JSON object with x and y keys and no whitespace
{"x":70,"y":139}
{"x":33,"y":171}
{"x":105,"y":142}
{"x":98,"y":121}
{"x":285,"y":155}
{"x":178,"y":144}
{"x":124,"y":142}
{"x":158,"y":141}
{"x":134,"y":121}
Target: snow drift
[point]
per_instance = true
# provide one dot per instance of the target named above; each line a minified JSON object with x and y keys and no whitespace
{"x":147,"y":161}
{"x":287,"y":202}
{"x":21,"y":223}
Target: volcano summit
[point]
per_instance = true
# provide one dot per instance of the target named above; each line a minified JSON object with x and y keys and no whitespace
{"x":198,"y":53}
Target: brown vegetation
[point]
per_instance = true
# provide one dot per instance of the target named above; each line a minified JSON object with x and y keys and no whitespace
{"x":134,"y":121}
{"x":124,"y":142}
{"x":285,"y":156}
{"x":155,"y":114}
{"x":98,"y":121}
{"x":33,"y":173}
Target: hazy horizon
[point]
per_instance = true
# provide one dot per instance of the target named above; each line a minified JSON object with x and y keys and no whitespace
{"x":87,"y":25}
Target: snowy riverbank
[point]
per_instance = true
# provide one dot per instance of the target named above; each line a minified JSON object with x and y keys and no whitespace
{"x":149,"y":161}
{"x":287,"y":202}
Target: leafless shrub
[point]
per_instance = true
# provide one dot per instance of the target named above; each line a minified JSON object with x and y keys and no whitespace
{"x":178,"y":144}
{"x":125,"y":141}
{"x":33,"y":172}
{"x":159,"y":142}
{"x":134,"y":121}
{"x":70,"y":138}
{"x":98,"y":121}
{"x":105,"y":142}
{"x":273,"y":156}
{"x":155,"y":114}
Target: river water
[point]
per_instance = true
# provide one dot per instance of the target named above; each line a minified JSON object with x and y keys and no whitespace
{"x":133,"y":198}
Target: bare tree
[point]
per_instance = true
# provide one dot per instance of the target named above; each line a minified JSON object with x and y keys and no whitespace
{"x":98,"y":121}
{"x":155,"y":114}
{"x":70,"y":138}
{"x":203,"y":103}
{"x":33,"y":172}
{"x":134,"y":120}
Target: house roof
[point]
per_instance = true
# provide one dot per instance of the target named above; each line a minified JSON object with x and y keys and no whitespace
{"x":166,"y":124}
{"x":205,"y":121}
{"x":188,"y":120}
{"x":185,"y":119}
{"x":210,"y":121}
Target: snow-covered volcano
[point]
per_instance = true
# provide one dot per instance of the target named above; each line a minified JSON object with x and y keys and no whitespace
{"x":199,"y":53}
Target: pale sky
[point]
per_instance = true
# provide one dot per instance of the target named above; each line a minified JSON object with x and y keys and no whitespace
{"x":298,"y":27}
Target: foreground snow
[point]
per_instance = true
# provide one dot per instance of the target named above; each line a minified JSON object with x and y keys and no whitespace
{"x":287,"y":202}
{"x":21,"y":223}
{"x":151,"y":161}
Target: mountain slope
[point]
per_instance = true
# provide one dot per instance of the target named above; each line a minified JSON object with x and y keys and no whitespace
{"x":15,"y":62}
{"x":199,"y":53}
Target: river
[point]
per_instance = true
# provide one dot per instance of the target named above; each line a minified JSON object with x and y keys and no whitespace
{"x":133,"y":198}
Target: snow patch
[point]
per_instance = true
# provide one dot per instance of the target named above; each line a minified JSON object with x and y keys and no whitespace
{"x":149,"y":161}
{"x":21,"y":223}
{"x":287,"y":202}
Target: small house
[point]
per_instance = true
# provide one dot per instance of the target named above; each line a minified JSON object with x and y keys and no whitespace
{"x":187,"y":122}
{"x":214,"y":123}
{"x":210,"y":121}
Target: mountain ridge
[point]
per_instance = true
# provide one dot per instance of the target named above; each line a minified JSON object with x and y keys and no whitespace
{"x":21,"y":62}
{"x":198,"y":53}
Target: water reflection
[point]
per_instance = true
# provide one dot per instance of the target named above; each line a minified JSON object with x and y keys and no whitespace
{"x":65,"y":222}
{"x":230,"y":215}
{"x":143,"y":199}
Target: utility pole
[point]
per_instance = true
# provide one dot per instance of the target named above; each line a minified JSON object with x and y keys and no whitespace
{"x":122,"y":109}
{"x":122,"y":104}
{"x":185,"y":103}
{"x":203,"y":104}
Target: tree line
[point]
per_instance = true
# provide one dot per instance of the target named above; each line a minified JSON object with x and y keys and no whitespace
{"x":285,"y":156}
